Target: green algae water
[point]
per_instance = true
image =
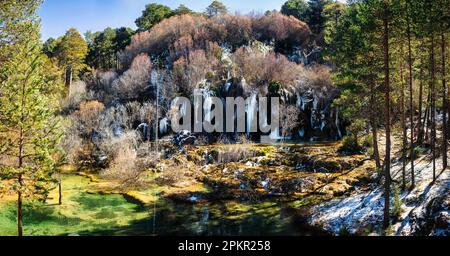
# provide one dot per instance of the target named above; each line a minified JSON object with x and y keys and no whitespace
{"x":84,"y":213}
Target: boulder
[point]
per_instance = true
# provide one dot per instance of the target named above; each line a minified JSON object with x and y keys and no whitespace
{"x":184,"y":138}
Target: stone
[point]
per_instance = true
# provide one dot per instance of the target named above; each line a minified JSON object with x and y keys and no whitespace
{"x":184,"y":138}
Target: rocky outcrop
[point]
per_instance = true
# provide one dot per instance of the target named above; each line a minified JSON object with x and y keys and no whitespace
{"x":184,"y":138}
{"x":258,"y":172}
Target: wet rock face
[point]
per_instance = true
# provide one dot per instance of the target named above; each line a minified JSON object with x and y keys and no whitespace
{"x":319,"y":120}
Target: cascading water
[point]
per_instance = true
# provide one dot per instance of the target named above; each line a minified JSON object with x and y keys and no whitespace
{"x":163,"y":126}
{"x":301,"y":132}
{"x":323,"y":122}
{"x":275,"y":135}
{"x":338,"y":124}
{"x":251,"y":109}
{"x":314,"y":114}
{"x":207,"y":108}
{"x":154,"y":77}
{"x":143,"y":128}
{"x":117,"y":129}
{"x":228,"y":86}
{"x":304,"y":99}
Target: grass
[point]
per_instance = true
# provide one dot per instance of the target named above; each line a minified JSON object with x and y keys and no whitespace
{"x":81,"y":212}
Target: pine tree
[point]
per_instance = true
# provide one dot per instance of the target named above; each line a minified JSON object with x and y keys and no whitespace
{"x":71,"y":53}
{"x":357,"y":56}
{"x":216,"y":8}
{"x":296,"y":8}
{"x":182,"y":9}
{"x":152,"y":15}
{"x":316,"y":15}
{"x":29,"y":129}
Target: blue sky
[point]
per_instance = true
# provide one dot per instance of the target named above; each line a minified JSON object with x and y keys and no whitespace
{"x":95,"y":15}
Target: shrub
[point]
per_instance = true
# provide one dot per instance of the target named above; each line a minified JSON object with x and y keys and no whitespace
{"x":350,"y":145}
{"x":100,"y":83}
{"x":368,"y":140}
{"x":182,"y":47}
{"x":243,"y":139}
{"x":162,"y":36}
{"x":238,"y":29}
{"x":123,"y":164}
{"x":289,"y":119}
{"x":230,"y":30}
{"x":397,"y":207}
{"x":189,"y":72}
{"x":233,"y":153}
{"x":419,"y":150}
{"x":317,"y":78}
{"x":259,"y":68}
{"x":140,"y":113}
{"x":77,"y":94}
{"x":86,"y":119}
{"x":134,"y":82}
{"x":71,"y":143}
{"x":286,"y":31}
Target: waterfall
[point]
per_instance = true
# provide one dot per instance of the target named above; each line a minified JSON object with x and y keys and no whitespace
{"x":252,"y":108}
{"x":275,"y":135}
{"x":183,"y":110}
{"x":338,"y":124}
{"x":227,"y":87}
{"x":163,"y":126}
{"x":207,"y":105}
{"x":154,"y":77}
{"x":323,"y":122}
{"x":301,"y":133}
{"x":299,"y":102}
{"x":303,"y":100}
{"x":117,"y":129}
{"x":144,"y":129}
{"x":314,"y":113}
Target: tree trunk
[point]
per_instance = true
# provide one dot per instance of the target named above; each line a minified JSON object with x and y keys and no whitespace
{"x":69,"y":77}
{"x":403,"y":124}
{"x":444,"y":105}
{"x":373,"y":123}
{"x":433,"y":105}
{"x":387,"y":162}
{"x":376,"y":151}
{"x":19,"y":208}
{"x":420,"y":124}
{"x":60,"y":190}
{"x":427,"y":120}
{"x":411,"y":103}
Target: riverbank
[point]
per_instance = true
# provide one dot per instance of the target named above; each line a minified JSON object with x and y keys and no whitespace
{"x":424,"y":210}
